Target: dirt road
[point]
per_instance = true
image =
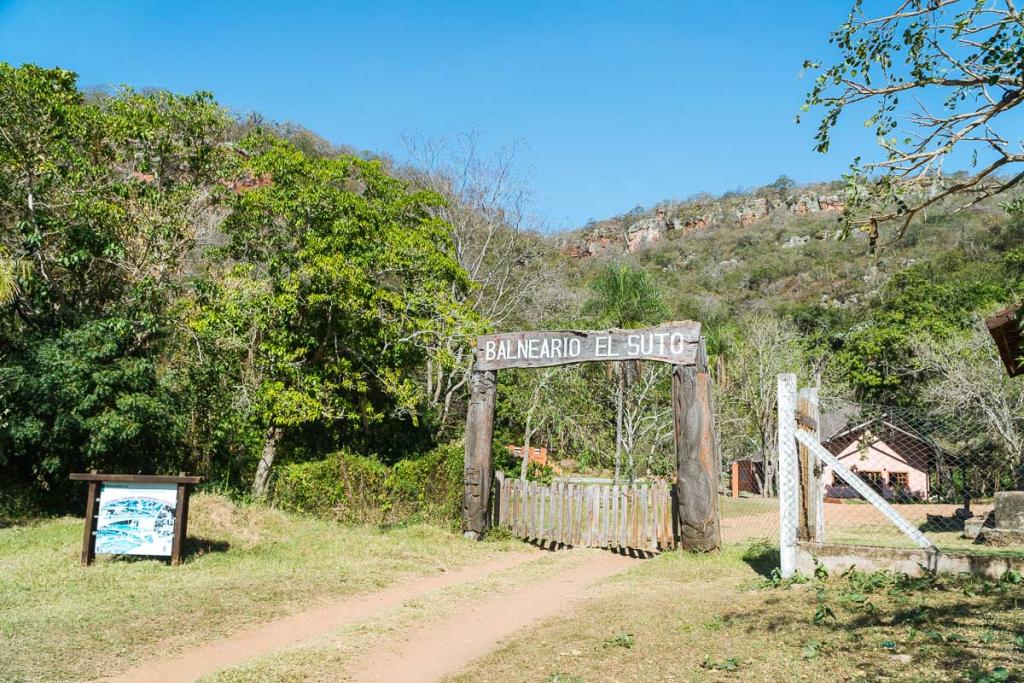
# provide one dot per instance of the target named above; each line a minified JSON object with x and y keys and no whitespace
{"x":438,"y":648}
{"x":292,"y":630}
{"x":431,"y":649}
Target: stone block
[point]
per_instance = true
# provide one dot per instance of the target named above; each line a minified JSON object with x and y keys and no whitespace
{"x":1001,"y":537}
{"x":975,"y":525}
{"x":1010,"y":510}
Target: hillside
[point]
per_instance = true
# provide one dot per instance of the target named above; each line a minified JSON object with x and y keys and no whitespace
{"x":243,"y":297}
{"x":774,"y":245}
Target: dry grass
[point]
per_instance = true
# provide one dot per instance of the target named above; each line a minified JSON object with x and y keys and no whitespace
{"x":678,"y":617}
{"x":249,"y":564}
{"x":683,"y":617}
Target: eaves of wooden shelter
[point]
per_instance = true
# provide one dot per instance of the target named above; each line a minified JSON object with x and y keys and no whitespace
{"x":1005,"y":328}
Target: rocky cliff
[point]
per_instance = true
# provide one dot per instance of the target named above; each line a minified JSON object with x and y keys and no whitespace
{"x":636,"y":229}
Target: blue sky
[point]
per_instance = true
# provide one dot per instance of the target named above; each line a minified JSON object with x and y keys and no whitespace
{"x":620,"y":104}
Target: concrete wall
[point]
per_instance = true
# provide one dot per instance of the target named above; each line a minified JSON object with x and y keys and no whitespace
{"x":838,"y":558}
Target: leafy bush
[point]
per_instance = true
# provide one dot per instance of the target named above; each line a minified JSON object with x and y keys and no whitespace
{"x":430,"y":485}
{"x":343,"y":485}
{"x":18,"y":502}
{"x":362,"y":489}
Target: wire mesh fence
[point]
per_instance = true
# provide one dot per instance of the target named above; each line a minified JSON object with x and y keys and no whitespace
{"x":945,"y":473}
{"x":956,"y":480}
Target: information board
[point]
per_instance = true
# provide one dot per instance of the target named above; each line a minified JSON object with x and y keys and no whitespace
{"x":136,"y":519}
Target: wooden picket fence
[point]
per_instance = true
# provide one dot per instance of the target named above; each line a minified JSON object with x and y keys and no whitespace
{"x":635,"y":516}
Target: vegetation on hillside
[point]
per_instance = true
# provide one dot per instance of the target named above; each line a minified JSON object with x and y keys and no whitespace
{"x":185,"y":291}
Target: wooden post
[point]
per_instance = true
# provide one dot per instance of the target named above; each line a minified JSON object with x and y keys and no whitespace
{"x":478,"y":459}
{"x":698,"y":466}
{"x":499,"y":501}
{"x":180,"y":520}
{"x":91,"y":510}
{"x":735,"y":479}
{"x":811,"y":512}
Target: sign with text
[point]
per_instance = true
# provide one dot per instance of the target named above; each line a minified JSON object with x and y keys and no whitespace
{"x":675,"y":343}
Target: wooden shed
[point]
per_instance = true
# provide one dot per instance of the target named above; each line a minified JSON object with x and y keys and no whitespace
{"x":538,"y":455}
{"x":1005,"y":328}
{"x":746,"y":475}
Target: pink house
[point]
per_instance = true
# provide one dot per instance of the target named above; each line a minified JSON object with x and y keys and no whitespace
{"x":891,"y":458}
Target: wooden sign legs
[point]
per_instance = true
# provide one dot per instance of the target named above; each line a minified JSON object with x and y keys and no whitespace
{"x":476,"y":495}
{"x":92,"y":508}
{"x":698,"y":465}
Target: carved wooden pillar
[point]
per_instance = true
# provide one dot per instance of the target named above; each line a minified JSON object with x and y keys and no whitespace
{"x":476,"y":494}
{"x":698,"y":465}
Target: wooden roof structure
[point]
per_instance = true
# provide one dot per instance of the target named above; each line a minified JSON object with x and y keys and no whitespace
{"x":1005,"y":328}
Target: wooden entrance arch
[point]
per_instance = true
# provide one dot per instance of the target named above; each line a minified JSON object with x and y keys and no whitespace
{"x":698,"y":465}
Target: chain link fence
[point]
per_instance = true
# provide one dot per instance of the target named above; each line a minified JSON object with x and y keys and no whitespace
{"x":952,"y":478}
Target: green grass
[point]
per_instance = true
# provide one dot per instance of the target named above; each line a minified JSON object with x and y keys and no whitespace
{"x":249,"y":564}
{"x":714,"y":618}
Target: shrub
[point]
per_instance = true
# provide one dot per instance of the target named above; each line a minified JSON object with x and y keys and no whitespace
{"x":18,"y":502}
{"x":361,"y":489}
{"x":432,"y":483}
{"x":308,"y":486}
{"x":512,"y":466}
{"x":343,"y":485}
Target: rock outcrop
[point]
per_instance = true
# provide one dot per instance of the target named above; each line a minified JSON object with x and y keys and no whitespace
{"x":686,"y":218}
{"x":648,"y":230}
{"x":754,"y":211}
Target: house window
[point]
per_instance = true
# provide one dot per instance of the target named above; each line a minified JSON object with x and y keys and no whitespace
{"x":873,"y":479}
{"x":899,"y":480}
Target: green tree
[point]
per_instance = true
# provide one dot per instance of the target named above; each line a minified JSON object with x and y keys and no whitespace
{"x":12,"y":272}
{"x":938,"y":298}
{"x":344,"y":282}
{"x":937,"y":79}
{"x":100,"y":203}
{"x":623,"y":297}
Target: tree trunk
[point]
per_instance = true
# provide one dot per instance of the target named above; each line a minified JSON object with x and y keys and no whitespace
{"x":262,"y":479}
{"x":524,"y":467}
{"x":534,"y":401}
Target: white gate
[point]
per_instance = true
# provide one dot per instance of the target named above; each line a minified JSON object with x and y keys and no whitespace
{"x":801,"y":496}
